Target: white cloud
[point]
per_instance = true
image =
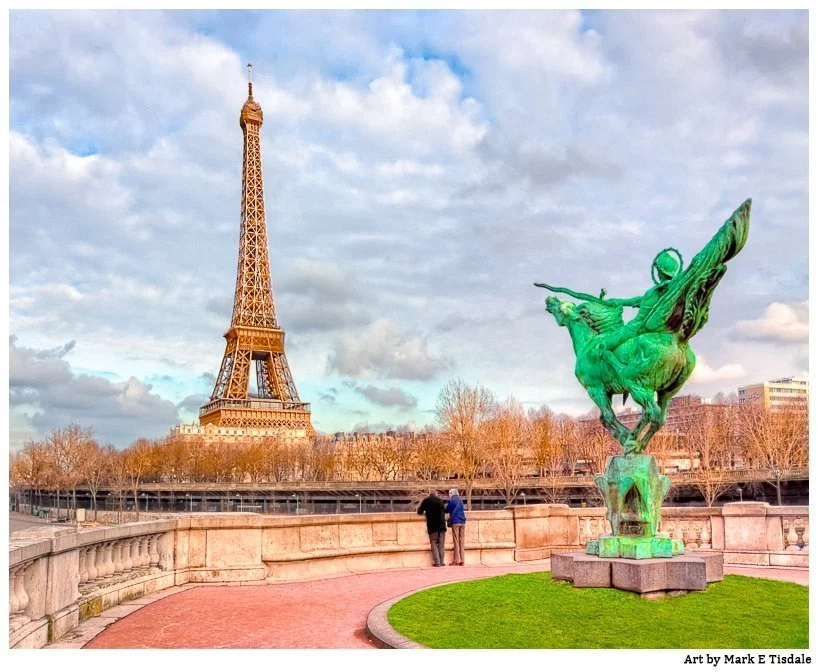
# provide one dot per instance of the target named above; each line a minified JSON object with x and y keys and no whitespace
{"x":382,"y":350}
{"x":43,"y":381}
{"x":780,"y":323}
{"x":704,"y":373}
{"x":390,"y":396}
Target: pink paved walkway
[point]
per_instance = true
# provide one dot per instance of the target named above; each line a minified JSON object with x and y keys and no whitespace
{"x":320,"y":614}
{"x":324,"y":613}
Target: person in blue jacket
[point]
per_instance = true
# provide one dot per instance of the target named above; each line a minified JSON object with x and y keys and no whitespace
{"x":457,"y":521}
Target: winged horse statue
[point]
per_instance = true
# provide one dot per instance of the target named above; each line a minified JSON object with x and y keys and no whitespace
{"x":649,"y":358}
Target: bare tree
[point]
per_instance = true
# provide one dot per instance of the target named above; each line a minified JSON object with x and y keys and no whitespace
{"x":509,"y":436}
{"x":324,"y":459}
{"x":34,"y":468}
{"x":69,"y":446}
{"x":551,"y":434}
{"x":707,"y":444}
{"x":96,"y":470}
{"x":775,"y":441}
{"x":463,"y":412}
{"x":432,"y":456}
{"x":138,"y":459}
{"x":118,"y":480}
{"x":543,"y":441}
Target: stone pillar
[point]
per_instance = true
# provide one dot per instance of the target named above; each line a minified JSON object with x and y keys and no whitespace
{"x":746,"y":533}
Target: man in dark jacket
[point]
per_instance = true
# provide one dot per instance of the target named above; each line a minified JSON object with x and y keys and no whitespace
{"x":433,"y":507}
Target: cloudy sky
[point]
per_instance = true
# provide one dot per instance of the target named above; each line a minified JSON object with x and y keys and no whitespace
{"x":422,"y":170}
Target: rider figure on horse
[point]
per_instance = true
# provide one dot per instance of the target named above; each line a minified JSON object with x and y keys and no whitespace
{"x":665,"y":268}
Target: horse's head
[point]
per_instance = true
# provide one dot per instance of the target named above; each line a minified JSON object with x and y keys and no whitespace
{"x":561,"y":310}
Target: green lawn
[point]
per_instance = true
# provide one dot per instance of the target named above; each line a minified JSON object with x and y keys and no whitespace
{"x":530,"y":611}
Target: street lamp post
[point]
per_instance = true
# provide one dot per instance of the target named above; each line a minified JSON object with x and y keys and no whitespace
{"x":360,"y":503}
{"x":740,"y":498}
{"x":523,"y":495}
{"x":241,"y":504}
{"x":145,"y":496}
{"x":189,"y":502}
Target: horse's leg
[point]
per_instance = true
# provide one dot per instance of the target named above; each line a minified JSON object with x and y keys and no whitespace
{"x":608,"y":418}
{"x":662,"y":400}
{"x":651,"y":414}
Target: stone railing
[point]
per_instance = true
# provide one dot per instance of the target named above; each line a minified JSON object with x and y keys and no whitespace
{"x":59,"y":577}
{"x":751,"y":533}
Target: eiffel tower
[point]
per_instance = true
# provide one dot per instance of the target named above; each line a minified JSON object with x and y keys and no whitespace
{"x":254,"y":334}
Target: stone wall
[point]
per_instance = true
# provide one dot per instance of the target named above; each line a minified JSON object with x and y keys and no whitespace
{"x":59,"y":576}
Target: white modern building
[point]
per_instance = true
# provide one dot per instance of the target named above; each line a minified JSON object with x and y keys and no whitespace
{"x":777,"y":394}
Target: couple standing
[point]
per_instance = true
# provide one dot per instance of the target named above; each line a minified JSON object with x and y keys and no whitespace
{"x":435,"y":510}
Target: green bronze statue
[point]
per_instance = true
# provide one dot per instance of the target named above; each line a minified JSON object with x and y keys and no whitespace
{"x":647,"y":359}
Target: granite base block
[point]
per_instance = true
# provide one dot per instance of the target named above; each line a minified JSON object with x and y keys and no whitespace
{"x":562,"y":566}
{"x":713,"y":564}
{"x":591,"y":572}
{"x":657,"y":577}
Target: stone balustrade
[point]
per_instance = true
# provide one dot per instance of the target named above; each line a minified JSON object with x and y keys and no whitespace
{"x":59,"y":577}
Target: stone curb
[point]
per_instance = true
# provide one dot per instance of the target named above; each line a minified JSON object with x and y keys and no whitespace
{"x":385,"y":636}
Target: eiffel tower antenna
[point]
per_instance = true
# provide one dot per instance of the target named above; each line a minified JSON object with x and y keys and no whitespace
{"x":254,"y":334}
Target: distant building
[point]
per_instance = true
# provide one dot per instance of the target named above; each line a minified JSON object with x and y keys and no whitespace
{"x":211,"y":433}
{"x":681,"y":412}
{"x":777,"y":394}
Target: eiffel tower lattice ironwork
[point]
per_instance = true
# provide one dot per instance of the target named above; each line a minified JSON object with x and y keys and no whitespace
{"x":254,"y":334}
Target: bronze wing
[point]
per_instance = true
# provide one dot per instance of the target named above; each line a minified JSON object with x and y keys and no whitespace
{"x":684,"y":307}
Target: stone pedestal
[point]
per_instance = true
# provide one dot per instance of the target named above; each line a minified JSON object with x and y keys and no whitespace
{"x":651,"y":578}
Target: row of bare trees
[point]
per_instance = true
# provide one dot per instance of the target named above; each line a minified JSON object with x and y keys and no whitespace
{"x":477,"y":437}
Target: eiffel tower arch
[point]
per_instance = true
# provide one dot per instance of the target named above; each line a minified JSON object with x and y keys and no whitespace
{"x":255,"y":341}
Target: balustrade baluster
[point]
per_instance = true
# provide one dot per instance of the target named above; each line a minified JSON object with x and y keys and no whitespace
{"x":144,"y":555}
{"x":23,"y":593}
{"x":91,"y":563}
{"x":798,"y":524}
{"x":154,"y":550}
{"x":127,"y":561}
{"x":670,"y":527}
{"x":108,"y":561}
{"x":18,"y":597}
{"x":792,"y":535}
{"x":681,"y":531}
{"x":805,"y":534}
{"x":12,"y":595}
{"x":136,"y":558}
{"x":83,"y":565}
{"x":707,"y":535}
{"x":117,"y":557}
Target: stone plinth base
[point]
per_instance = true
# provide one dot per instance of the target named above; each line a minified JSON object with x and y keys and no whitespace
{"x":656,"y":577}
